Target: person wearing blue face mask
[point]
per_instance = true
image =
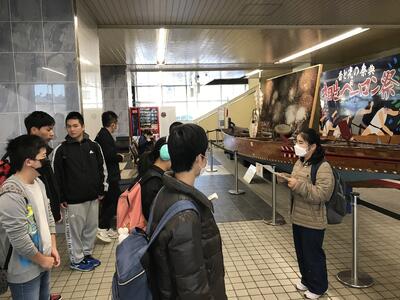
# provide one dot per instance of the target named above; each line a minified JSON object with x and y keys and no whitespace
{"x":308,"y":212}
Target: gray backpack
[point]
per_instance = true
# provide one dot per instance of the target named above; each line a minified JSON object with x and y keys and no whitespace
{"x":336,"y":207}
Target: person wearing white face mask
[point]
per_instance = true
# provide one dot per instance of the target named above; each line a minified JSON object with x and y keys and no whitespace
{"x":186,"y":256}
{"x":308,"y":212}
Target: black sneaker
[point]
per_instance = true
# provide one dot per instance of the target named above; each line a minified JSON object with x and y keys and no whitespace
{"x":92,"y":261}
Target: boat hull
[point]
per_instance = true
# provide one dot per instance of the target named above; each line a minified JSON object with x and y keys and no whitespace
{"x":355,"y":161}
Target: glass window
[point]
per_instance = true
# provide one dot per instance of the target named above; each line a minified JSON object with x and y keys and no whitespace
{"x":149,"y":93}
{"x":206,"y":107}
{"x":174,"y":93}
{"x":181,"y":110}
{"x":209,"y":93}
{"x":230,"y":92}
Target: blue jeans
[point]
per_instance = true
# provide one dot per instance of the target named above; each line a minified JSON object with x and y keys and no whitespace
{"x":36,"y":289}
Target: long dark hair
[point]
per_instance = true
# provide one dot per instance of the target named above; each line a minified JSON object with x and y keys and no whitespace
{"x":148,"y":158}
{"x":312,"y":137}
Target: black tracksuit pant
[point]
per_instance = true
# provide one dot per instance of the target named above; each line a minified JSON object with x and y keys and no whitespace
{"x":311,"y":258}
{"x":109,"y":205}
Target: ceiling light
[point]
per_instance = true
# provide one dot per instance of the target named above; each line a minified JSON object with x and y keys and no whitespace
{"x":54,"y":71}
{"x":253,"y":73}
{"x":329,"y":42}
{"x":161,"y":45}
{"x":85,"y":61}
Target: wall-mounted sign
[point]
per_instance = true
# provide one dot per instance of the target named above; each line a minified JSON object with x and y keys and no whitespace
{"x":366,"y":96}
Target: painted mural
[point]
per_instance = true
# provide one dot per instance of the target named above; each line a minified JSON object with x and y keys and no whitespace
{"x":362,"y":99}
{"x":290,"y":99}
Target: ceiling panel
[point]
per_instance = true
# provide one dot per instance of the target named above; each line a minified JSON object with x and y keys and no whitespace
{"x":245,"y":12}
{"x":236,"y":48}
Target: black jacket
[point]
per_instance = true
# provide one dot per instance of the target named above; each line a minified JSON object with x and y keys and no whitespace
{"x":151,"y":183}
{"x":52,"y":189}
{"x":78,"y":167}
{"x":186,"y":258}
{"x":107,"y":144}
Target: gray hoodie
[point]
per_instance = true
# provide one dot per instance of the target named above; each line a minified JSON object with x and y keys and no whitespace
{"x":14,"y":229}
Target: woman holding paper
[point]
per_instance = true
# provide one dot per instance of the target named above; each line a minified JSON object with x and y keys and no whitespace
{"x":308,"y":212}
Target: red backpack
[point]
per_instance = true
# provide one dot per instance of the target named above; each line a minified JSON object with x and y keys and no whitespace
{"x":5,"y":169}
{"x":129,"y":209}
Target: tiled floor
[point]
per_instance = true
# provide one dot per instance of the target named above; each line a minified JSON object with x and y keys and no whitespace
{"x":259,"y":259}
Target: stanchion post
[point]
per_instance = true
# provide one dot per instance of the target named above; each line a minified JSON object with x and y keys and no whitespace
{"x":353,"y":277}
{"x":236,"y":191}
{"x":274,"y":221}
{"x":211,"y":168}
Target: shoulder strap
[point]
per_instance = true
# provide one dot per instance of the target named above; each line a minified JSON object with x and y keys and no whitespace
{"x":314,"y":170}
{"x":4,"y":156}
{"x":174,"y":209}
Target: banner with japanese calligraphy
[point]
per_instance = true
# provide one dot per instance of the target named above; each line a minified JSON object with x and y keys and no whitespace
{"x":365,"y":97}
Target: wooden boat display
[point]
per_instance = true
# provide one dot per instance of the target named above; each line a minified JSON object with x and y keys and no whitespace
{"x":357,"y":114}
{"x":357,"y":161}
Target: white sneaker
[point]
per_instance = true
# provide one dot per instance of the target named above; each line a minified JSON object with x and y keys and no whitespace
{"x":301,"y":287}
{"x":102,"y":235}
{"x":112,"y":234}
{"x":310,"y":295}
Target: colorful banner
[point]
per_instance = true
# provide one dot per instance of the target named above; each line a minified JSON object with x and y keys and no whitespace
{"x":364,"y":96}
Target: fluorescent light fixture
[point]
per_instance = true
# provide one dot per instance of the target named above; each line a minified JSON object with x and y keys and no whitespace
{"x":329,"y":42}
{"x":161,"y":45}
{"x":85,"y":61}
{"x":54,"y":71}
{"x":253,"y":73}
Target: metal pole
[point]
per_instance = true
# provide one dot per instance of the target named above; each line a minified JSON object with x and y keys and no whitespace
{"x":236,"y":191}
{"x":353,"y":277}
{"x":274,"y":221}
{"x":211,"y":169}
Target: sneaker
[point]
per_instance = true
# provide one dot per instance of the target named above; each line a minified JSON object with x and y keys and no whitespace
{"x":92,"y":261}
{"x":102,"y":235}
{"x":301,"y":287}
{"x":83,"y":266}
{"x":310,"y":295}
{"x":112,"y":234}
{"x":55,"y":297}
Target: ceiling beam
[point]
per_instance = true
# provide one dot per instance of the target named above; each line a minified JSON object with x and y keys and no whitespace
{"x":316,"y":26}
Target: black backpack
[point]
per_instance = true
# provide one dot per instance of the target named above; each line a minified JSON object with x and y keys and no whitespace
{"x":336,"y":207}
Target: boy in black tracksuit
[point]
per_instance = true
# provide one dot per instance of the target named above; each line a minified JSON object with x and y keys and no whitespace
{"x":78,"y":166}
{"x":108,"y":207}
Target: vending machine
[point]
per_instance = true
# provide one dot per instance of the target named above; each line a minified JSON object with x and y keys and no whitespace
{"x":144,"y":118}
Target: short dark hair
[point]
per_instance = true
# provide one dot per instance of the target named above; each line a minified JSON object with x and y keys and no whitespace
{"x":22,"y":148}
{"x":74,"y":115}
{"x":185,"y":142}
{"x":173,"y":125}
{"x":38,"y":119}
{"x":109,"y":117}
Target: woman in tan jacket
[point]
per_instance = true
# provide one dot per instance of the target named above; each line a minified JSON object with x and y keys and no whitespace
{"x":308,"y":212}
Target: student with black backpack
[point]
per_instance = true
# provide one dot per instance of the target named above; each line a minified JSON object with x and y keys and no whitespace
{"x":151,"y":167}
{"x":187,"y":254}
{"x":308,"y":211}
